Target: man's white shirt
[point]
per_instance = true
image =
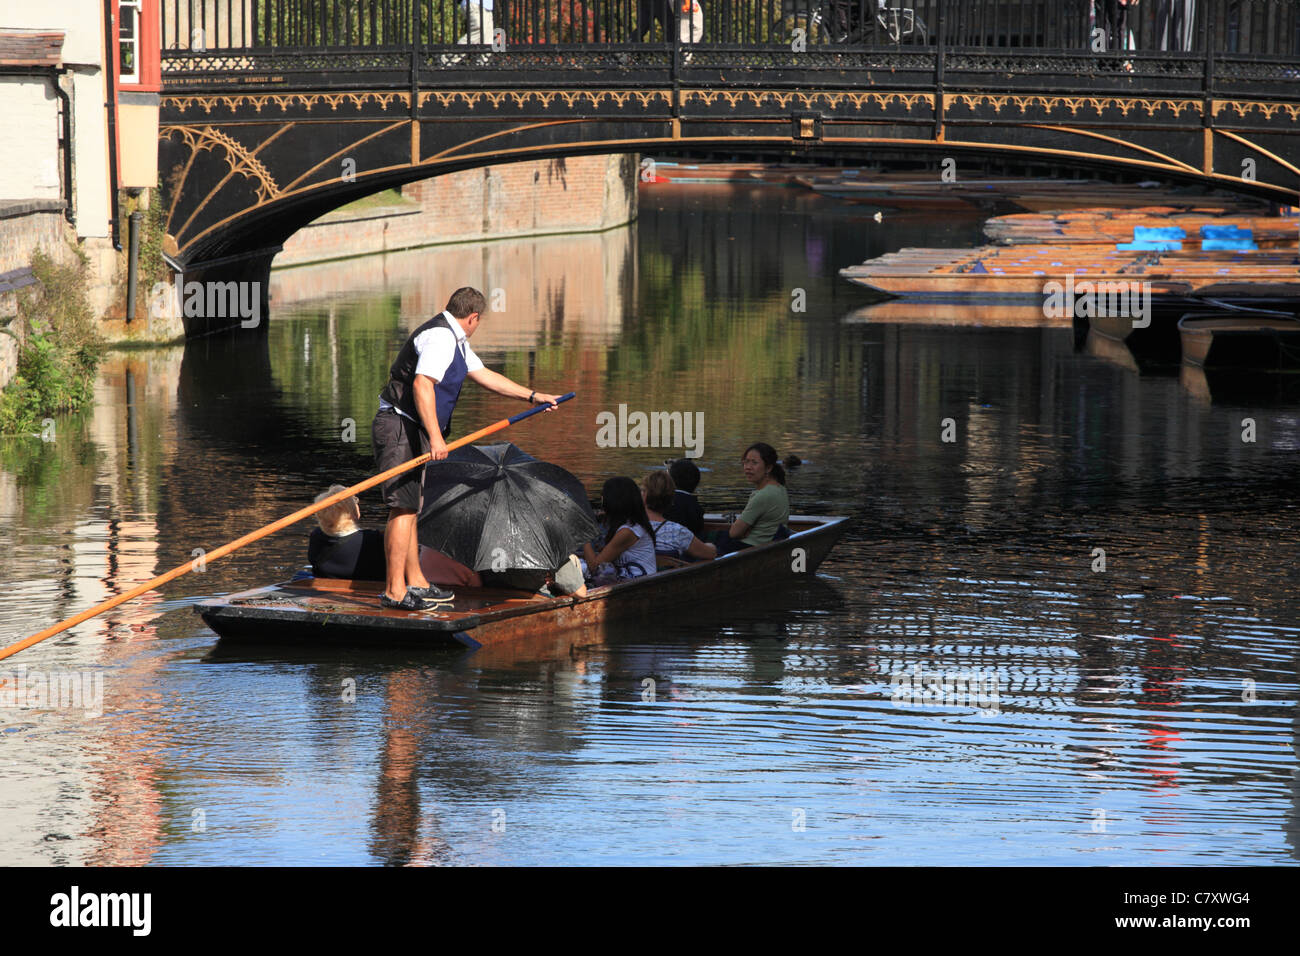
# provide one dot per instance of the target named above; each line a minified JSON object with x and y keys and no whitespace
{"x":436,"y":347}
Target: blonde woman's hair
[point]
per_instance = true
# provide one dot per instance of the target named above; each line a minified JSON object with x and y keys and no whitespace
{"x":659,"y":490}
{"x":338,"y":516}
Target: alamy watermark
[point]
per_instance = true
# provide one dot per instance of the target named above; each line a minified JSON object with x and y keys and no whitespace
{"x":214,"y":300}
{"x":23,"y":689}
{"x":1088,"y":299}
{"x":651,"y":430}
{"x":918,"y":687}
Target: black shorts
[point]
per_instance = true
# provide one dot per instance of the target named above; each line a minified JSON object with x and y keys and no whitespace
{"x":397,"y":439}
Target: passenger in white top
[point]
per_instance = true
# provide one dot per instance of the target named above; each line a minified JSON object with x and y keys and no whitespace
{"x":671,"y":538}
{"x":629,"y":550}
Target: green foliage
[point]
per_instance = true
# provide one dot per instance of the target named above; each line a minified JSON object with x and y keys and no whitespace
{"x":152,"y":266}
{"x":60,"y":348}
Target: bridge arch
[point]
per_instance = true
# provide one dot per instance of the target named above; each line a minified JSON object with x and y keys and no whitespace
{"x":258,"y":139}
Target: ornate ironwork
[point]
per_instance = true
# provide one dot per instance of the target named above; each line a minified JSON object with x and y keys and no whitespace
{"x":247,"y":151}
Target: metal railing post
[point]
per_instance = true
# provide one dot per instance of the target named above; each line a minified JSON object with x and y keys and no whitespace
{"x":940,"y":53}
{"x":415,"y":54}
{"x":1207,"y":83}
{"x":415,"y":82}
{"x":674,"y":25}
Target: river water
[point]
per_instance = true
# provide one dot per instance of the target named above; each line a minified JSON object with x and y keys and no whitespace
{"x":1100,"y":553}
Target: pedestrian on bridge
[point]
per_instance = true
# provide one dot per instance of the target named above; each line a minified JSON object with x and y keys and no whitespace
{"x":481,"y":28}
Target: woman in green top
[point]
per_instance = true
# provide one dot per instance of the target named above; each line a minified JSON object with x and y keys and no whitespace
{"x":768,"y":507}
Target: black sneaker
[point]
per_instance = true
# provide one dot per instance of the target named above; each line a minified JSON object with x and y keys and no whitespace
{"x":408,"y":603}
{"x":433,"y":594}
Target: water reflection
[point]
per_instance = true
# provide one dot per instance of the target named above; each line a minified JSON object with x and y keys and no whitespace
{"x":1146,"y":705}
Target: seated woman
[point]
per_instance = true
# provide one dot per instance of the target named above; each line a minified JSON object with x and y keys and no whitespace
{"x":629,"y":549}
{"x":671,"y":538}
{"x":768,"y":508}
{"x":339,"y":548}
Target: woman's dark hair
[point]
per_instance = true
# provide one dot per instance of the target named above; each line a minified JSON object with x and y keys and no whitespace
{"x":623,"y":505}
{"x":684,"y":474}
{"x":768,"y":454}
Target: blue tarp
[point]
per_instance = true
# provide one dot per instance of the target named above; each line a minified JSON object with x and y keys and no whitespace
{"x":1154,"y":233}
{"x":1229,"y":236}
{"x":1154,"y":239}
{"x":1159,"y":245}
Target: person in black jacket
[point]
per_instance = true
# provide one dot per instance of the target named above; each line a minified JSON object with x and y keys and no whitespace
{"x":685,"y":509}
{"x":341,"y":549}
{"x":648,"y":13}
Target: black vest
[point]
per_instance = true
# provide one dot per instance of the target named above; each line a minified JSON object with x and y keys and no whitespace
{"x":400,"y":390}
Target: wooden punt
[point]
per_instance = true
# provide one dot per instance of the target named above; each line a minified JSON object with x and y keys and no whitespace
{"x":1022,"y":272}
{"x":319,"y":610}
{"x":1240,"y":341}
{"x":1110,"y":226}
{"x":1160,"y":341}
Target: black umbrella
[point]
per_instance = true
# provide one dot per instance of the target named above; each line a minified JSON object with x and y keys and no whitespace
{"x":496,"y":508}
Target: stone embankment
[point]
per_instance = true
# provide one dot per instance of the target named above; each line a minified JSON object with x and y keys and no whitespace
{"x":532,"y":198}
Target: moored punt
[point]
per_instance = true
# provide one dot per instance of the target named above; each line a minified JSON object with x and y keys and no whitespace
{"x":1157,"y":340}
{"x":1024,"y":272}
{"x":335,"y":611}
{"x":1155,"y":343}
{"x":1111,"y":226}
{"x":1240,"y":341}
{"x":1050,"y":197}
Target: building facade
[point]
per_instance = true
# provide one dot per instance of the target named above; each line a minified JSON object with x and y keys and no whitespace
{"x":79,"y":85}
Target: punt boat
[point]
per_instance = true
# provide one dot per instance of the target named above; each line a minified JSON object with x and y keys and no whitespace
{"x":1162,"y":342}
{"x":1022,"y":272}
{"x":1243,"y":341}
{"x":320,"y":610}
{"x":1110,"y":226}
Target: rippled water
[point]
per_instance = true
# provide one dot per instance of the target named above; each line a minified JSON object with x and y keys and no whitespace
{"x":1141,"y":714}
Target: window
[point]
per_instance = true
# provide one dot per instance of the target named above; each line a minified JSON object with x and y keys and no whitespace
{"x":128,"y":41}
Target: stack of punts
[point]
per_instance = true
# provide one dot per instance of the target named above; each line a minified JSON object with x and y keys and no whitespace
{"x":1115,"y":226}
{"x":893,"y":192}
{"x":1023,"y":272}
{"x":930,"y":191}
{"x":670,"y":171}
{"x":317,"y":610}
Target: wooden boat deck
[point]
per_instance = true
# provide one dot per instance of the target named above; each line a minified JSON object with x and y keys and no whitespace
{"x":319,"y":610}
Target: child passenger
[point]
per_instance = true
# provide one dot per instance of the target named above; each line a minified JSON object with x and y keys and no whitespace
{"x":685,"y":508}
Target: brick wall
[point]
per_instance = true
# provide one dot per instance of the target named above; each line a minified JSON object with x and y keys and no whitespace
{"x":538,"y":197}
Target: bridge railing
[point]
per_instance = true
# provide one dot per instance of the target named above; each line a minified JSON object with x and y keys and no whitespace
{"x":1255,"y":27}
{"x":1174,"y":46}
